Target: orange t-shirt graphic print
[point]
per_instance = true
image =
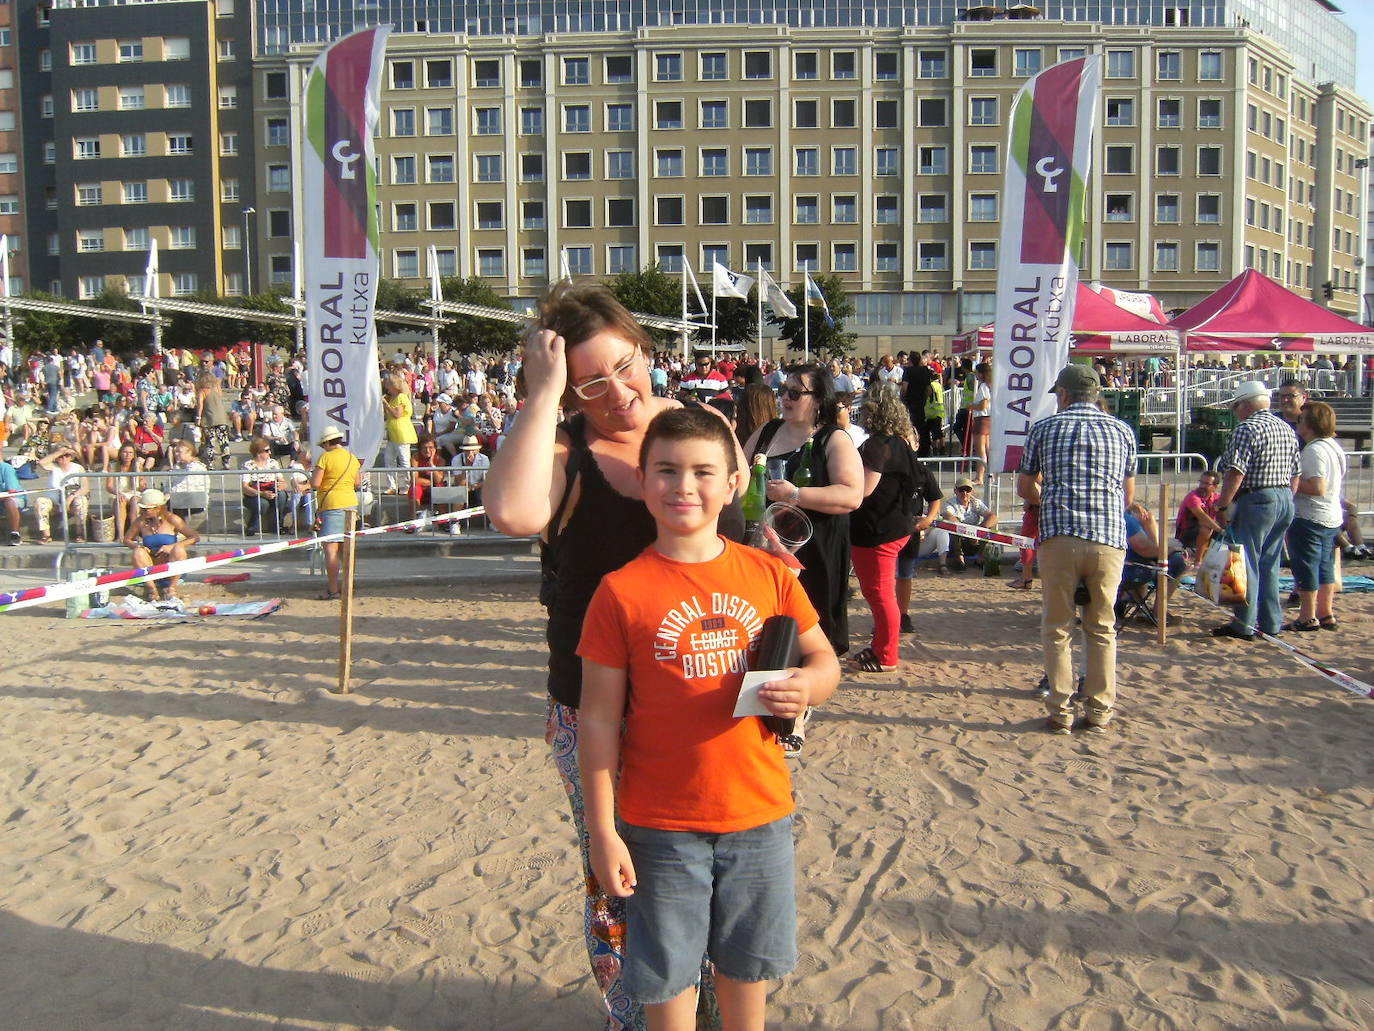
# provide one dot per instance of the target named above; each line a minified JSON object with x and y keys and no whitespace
{"x":683,"y":632}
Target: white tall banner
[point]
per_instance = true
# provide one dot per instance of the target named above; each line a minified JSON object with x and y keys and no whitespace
{"x":1049,"y":150}
{"x":340,"y":233}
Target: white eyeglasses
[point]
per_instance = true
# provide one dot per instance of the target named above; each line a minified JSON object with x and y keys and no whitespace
{"x":594,"y":388}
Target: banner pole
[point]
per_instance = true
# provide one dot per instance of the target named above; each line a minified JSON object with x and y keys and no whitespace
{"x":1162,"y":567}
{"x":349,"y":552}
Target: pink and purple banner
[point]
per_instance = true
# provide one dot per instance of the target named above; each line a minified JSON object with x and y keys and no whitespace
{"x":1049,"y":150}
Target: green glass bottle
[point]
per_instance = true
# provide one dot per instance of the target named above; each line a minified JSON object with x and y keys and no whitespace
{"x":803,"y":474}
{"x":755,"y":501}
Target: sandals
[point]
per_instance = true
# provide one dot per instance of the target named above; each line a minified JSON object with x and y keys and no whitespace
{"x":1021,"y":584}
{"x":329,"y":595}
{"x":866,"y":662}
{"x":1303,"y":626}
{"x":1328,"y":623}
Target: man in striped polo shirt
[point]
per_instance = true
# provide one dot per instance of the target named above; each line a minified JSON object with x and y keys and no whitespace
{"x":1259,"y":474}
{"x":1086,"y":460}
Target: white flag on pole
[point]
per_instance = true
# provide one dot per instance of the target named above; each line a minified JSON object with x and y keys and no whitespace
{"x":776,"y":297}
{"x":5,"y":265}
{"x":564,"y":271}
{"x":725,"y":283}
{"x":436,"y":292}
{"x":150,"y":272}
{"x":696,"y":287}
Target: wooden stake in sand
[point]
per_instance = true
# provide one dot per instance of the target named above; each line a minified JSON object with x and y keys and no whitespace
{"x":1162,"y":566}
{"x":346,"y":603}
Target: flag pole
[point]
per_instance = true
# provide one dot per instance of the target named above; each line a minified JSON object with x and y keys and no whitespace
{"x":806,"y":316}
{"x":684,"y":307}
{"x":713,"y":320}
{"x":758,"y":282}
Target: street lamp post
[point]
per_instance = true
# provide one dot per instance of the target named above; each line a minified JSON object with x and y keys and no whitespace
{"x":247,"y":254}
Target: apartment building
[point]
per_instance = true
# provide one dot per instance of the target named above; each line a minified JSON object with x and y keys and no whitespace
{"x":135,"y":134}
{"x":11,"y":146}
{"x":872,"y":154}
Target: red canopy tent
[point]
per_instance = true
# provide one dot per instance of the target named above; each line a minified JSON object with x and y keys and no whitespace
{"x":1254,"y":313}
{"x":1099,"y":327}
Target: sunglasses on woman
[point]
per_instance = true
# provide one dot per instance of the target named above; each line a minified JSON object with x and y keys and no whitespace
{"x":793,"y":394}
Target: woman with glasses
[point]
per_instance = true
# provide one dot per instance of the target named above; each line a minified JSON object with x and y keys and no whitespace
{"x":834,"y":488}
{"x":262,"y":490}
{"x":576,"y":484}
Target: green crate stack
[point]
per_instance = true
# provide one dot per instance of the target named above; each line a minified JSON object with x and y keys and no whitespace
{"x":1128,"y":406}
{"x":1207,"y":440}
{"x":1215,"y":418}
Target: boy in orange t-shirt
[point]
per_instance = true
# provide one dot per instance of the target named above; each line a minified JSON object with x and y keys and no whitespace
{"x":703,"y":849}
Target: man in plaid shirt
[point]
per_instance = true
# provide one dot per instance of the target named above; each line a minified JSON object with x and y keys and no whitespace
{"x":1259,"y":474}
{"x":1086,"y":460}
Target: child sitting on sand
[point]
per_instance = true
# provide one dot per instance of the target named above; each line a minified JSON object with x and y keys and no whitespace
{"x":703,"y":849}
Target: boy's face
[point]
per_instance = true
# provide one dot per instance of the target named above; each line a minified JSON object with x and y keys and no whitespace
{"x":686,"y":484}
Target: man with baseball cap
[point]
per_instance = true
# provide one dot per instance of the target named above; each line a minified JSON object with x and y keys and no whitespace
{"x":1259,"y":470}
{"x":1086,"y":460}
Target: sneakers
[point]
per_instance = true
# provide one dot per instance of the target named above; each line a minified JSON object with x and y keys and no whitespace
{"x":1095,"y":727}
{"x":906,"y":626}
{"x":1059,"y":726}
{"x":455,"y":529}
{"x":15,"y":539}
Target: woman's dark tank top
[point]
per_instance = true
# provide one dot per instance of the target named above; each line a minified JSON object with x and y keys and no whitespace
{"x":605,"y":530}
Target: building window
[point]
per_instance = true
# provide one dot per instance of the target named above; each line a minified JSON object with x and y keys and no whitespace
{"x":932,"y":64}
{"x":130,"y":50}
{"x":758,"y":64}
{"x":1119,"y":207}
{"x":229,"y":190}
{"x":577,"y":165}
{"x":886,"y":209}
{"x":82,"y":53}
{"x":758,"y":160}
{"x":228,"y":98}
{"x":933,"y":160}
{"x":758,"y":114}
{"x":805,"y":114}
{"x":1026,"y":61}
{"x":805,"y":65}
{"x":1166,"y":208}
{"x":1209,"y":257}
{"x":932,"y":207}
{"x":407,"y":264}
{"x":1167,"y":161}
{"x":806,"y":210}
{"x":715,"y":211}
{"x":982,"y":256}
{"x":844,"y":257}
{"x":619,"y":68}
{"x":88,"y":287}
{"x":982,"y":111}
{"x":278,"y":132}
{"x":486,"y":74}
{"x":86,"y":147}
{"x":579,"y":260}
{"x":668,"y":114}
{"x":1120,"y":111}
{"x":180,"y":143}
{"x":9,"y":163}
{"x":531,"y":121}
{"x":490,"y":168}
{"x":531,"y":168}
{"x":131,"y":98}
{"x":88,"y":240}
{"x":1209,"y":67}
{"x":279,"y":224}
{"x":577,"y":71}
{"x":577,"y":118}
{"x":487,"y":121}
{"x":532,"y":263}
{"x":1170,"y":114}
{"x":438,"y":121}
{"x":403,"y":121}
{"x":228,"y":144}
{"x":403,"y":169}
{"x":532,"y":214}
{"x":531,"y":72}
{"x":1209,"y":162}
{"x":715,"y":114}
{"x":887,"y":65}
{"x":1209,"y":113}
{"x":843,"y":114}
{"x":177,"y":95}
{"x":489,"y":215}
{"x":620,"y":118}
{"x":278,"y":179}
{"x":405,"y":217}
{"x":667,"y":67}
{"x":49,"y":152}
{"x":1119,"y":255}
{"x":844,"y":64}
{"x":982,"y":159}
{"x":1209,"y":208}
{"x":45,"y":105}
{"x":1169,"y":67}
{"x":758,"y":209}
{"x":844,"y":161}
{"x":183,"y":238}
{"x":713,"y":67}
{"x":887,"y":257}
{"x":806,"y":257}
{"x":620,"y":164}
{"x":982,"y":207}
{"x":620,"y":259}
{"x":982,"y":62}
{"x":715,"y":162}
{"x":668,"y":211}
{"x":274,"y":86}
{"x":668,"y":163}
{"x":85,"y":100}
{"x":1121,"y":64}
{"x":844,"y":209}
{"x":806,"y":161}
{"x":932,"y":256}
{"x":931,"y":112}
{"x":88,"y":194}
{"x":1166,"y":256}
{"x":1120,"y":160}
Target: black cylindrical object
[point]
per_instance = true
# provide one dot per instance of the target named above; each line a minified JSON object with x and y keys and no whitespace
{"x":779,"y":648}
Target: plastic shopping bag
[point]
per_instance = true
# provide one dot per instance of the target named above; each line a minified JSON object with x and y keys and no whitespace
{"x":1222,"y":577}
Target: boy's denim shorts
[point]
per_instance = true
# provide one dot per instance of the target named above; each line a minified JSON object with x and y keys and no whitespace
{"x":731,"y":896}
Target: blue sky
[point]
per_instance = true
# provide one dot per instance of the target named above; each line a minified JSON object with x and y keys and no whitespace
{"x":1360,"y":15}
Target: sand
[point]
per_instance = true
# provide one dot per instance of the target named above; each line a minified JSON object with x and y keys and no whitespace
{"x":196,"y":834}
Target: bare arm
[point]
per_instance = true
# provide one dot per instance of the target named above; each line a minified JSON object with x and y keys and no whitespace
{"x":871,"y":480}
{"x":526,"y":480}
{"x":846,"y":490}
{"x":188,"y":535}
{"x":1128,"y":489}
{"x":598,"y":755}
{"x":1028,"y":488}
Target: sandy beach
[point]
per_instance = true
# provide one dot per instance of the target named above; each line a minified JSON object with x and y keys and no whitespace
{"x":196,"y":834}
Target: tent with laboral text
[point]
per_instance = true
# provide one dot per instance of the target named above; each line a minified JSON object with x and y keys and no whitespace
{"x":1254,"y":313}
{"x":1099,"y":327}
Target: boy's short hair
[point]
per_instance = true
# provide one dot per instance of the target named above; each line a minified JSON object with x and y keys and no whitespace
{"x":694,"y":423}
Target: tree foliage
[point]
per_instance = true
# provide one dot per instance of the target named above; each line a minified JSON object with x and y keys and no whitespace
{"x":825,"y":339}
{"x":651,"y":291}
{"x":42,"y":330}
{"x":737,"y":324}
{"x":474,"y":334}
